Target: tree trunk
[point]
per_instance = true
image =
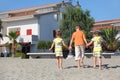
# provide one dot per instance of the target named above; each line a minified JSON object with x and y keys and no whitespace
{"x":13,"y":50}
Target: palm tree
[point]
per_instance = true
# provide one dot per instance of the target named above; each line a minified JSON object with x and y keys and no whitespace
{"x":111,"y":42}
{"x":13,"y":36}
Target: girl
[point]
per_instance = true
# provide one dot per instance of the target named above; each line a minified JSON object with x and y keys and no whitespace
{"x":58,"y":43}
{"x":97,"y":50}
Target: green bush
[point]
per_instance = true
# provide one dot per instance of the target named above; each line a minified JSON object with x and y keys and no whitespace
{"x":48,"y":44}
{"x":44,"y":45}
{"x":18,"y":47}
{"x":19,"y":54}
{"x":41,"y":45}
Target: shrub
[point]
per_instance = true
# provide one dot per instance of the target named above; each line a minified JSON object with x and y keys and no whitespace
{"x":41,"y":45}
{"x":44,"y":45}
{"x":111,"y":42}
{"x":48,"y":44}
{"x":22,"y":55}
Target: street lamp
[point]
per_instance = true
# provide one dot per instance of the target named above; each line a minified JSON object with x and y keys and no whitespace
{"x":70,"y":51}
{"x":70,"y":24}
{"x":63,"y":10}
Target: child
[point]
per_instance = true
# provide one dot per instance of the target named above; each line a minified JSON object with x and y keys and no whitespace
{"x":58,"y":42}
{"x":97,"y":50}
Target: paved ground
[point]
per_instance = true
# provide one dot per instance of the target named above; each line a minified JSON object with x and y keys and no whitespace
{"x":45,"y":69}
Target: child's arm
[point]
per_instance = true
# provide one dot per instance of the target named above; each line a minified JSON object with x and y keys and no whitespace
{"x":89,"y":43}
{"x":84,"y":38}
{"x":52,"y":46}
{"x":70,"y":46}
{"x":65,"y":45}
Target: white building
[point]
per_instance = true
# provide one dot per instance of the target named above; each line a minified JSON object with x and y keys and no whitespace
{"x":33,"y":24}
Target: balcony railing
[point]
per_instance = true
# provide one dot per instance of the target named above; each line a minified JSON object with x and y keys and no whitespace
{"x":29,"y":38}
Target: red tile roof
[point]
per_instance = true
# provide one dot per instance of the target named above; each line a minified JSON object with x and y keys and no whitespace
{"x":107,"y":22}
{"x":31,"y":9}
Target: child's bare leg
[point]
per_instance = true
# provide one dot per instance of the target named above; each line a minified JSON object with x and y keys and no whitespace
{"x":78,"y":63}
{"x":60,"y":62}
{"x":82,"y":51}
{"x":100,"y":63}
{"x":57,"y":61}
{"x":94,"y":61}
{"x":82,"y":62}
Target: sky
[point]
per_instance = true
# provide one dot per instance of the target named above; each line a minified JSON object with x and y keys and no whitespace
{"x":99,"y":9}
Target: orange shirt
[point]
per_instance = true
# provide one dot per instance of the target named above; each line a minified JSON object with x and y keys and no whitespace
{"x":78,"y":38}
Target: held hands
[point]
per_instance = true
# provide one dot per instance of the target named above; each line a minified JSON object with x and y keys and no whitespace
{"x":87,"y":45}
{"x":50,"y":48}
{"x":70,"y":48}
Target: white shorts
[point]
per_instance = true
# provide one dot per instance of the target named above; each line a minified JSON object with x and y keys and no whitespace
{"x":79,"y":52}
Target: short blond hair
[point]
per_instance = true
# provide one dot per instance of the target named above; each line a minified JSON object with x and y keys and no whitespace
{"x":78,"y":26}
{"x":96,"y":32}
{"x":58,"y":33}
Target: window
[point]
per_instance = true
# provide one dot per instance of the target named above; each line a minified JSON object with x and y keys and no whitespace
{"x":29,"y":31}
{"x":17,"y":32}
{"x":54,"y":33}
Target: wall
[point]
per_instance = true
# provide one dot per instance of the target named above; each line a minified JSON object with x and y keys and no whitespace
{"x":24,"y":25}
{"x":47,"y":23}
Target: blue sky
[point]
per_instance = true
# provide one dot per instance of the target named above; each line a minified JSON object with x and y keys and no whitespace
{"x":99,"y":9}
